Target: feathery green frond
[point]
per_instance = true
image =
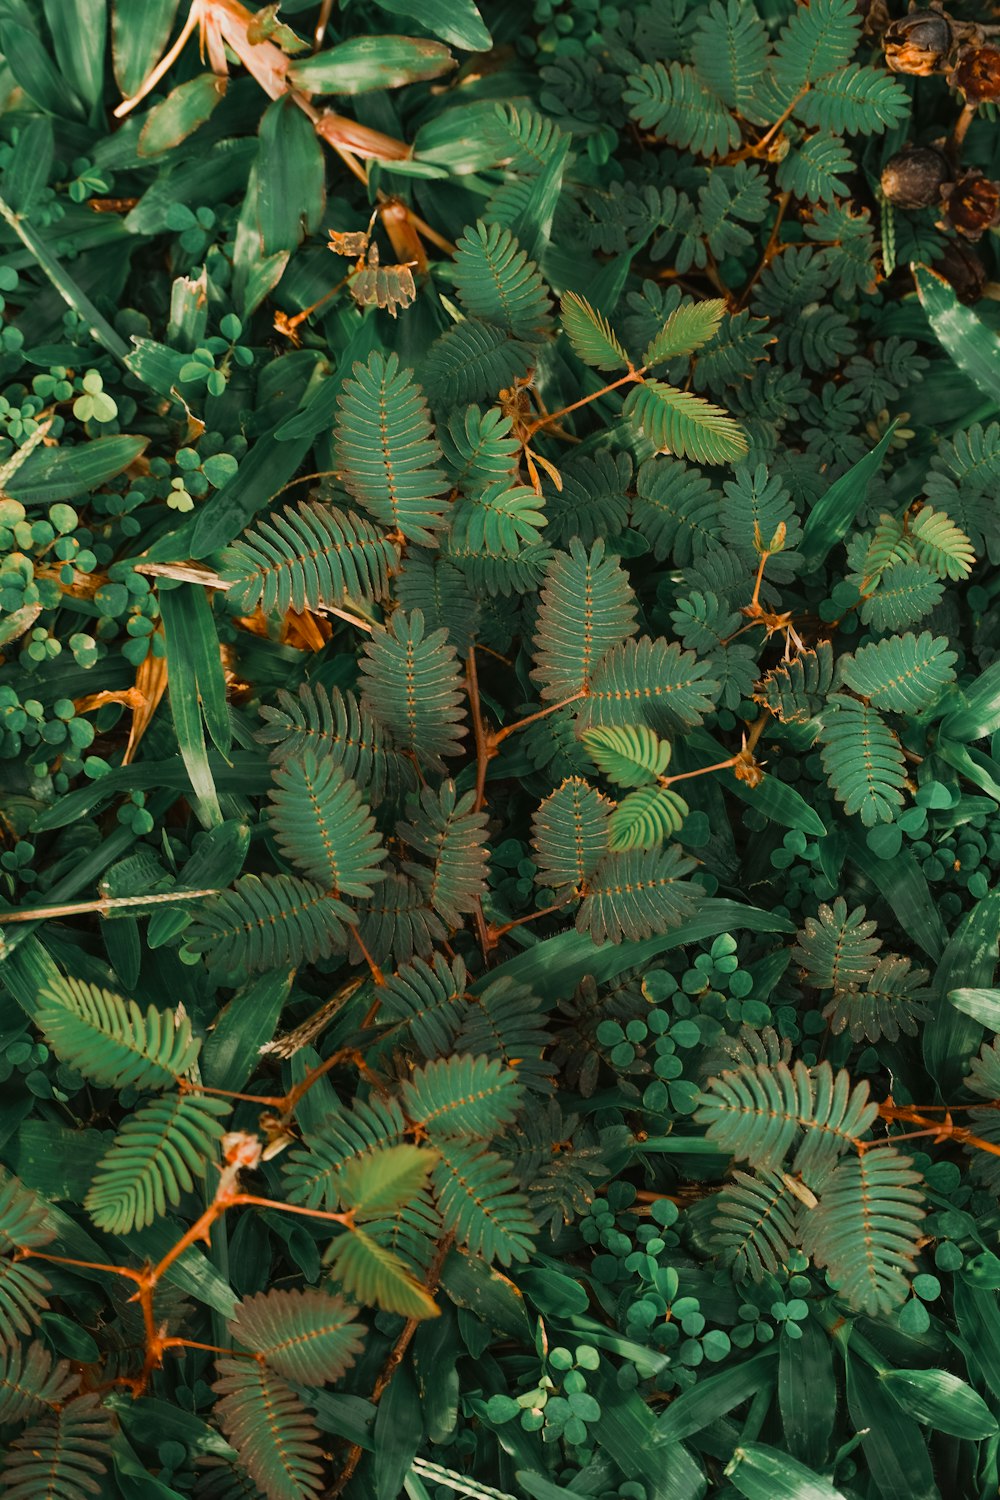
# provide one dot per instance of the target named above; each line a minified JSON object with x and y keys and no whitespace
{"x":889,"y":544}
{"x":268,"y":1425}
{"x":676,"y":510}
{"x":680,"y":422}
{"x":386,"y":451}
{"x":448,"y":830}
{"x":478,"y":448}
{"x":31,"y":1381}
{"x":587,"y":606}
{"x":313,"y":1175}
{"x":160,"y":1152}
{"x":462,"y":1096}
{"x":427,"y":998}
{"x":730,"y":52}
{"x":863,"y":760}
{"x":62,"y":1456}
{"x":304,"y":1333}
{"x":594,"y":500}
{"x":473,"y":361}
{"x":496,"y":281}
{"x":22,"y":1299}
{"x":670,"y":100}
{"x":375,"y":1275}
{"x":810,"y":170}
{"x":646,"y":817}
{"x":479,"y":1203}
{"x":330,"y":721}
{"x":941,"y":545}
{"x":836,"y":947}
{"x":307,"y":557}
{"x":893,"y":998}
{"x":686,"y":329}
{"x":796,"y":691}
{"x":756,"y":1224}
{"x":506,"y":1021}
{"x":904,"y":674}
{"x":637,"y":893}
{"x":397,"y":923}
{"x":24,"y":1217}
{"x":867,"y":1228}
{"x":629,"y":755}
{"x":763,"y":1112}
{"x":905,"y":594}
{"x":855,"y":100}
{"x":268,"y":921}
{"x":382,"y":1182}
{"x":499,"y":520}
{"x":109,"y":1040}
{"x":322,"y":824}
{"x":570,"y":833}
{"x":653,"y":681}
{"x":818,"y":38}
{"x":590,"y":333}
{"x":413,"y":687}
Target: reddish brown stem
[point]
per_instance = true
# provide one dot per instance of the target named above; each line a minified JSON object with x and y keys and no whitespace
{"x":497,"y":736}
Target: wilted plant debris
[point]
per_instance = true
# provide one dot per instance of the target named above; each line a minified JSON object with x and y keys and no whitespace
{"x":500,"y":734}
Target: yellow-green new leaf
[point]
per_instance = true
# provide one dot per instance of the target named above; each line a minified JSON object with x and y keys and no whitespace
{"x":379,"y":1182}
{"x":686,"y":330}
{"x":374,"y":1275}
{"x":683,"y":423}
{"x":591,"y":335}
{"x":629,"y":754}
{"x":646,"y":817}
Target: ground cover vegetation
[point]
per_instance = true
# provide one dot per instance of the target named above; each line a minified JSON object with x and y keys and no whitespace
{"x":499,"y":713}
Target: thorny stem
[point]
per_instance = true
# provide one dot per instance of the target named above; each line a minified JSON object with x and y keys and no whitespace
{"x":102,"y":905}
{"x":546,"y":911}
{"x":484,"y":753}
{"x":769,"y":249}
{"x":722,"y":765}
{"x":497,"y":736}
{"x":378,"y":978}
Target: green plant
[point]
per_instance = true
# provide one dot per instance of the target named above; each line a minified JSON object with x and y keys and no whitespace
{"x":498,"y":697}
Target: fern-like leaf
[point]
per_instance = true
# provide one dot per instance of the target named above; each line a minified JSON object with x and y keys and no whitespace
{"x":653,"y":680}
{"x":321,"y":824}
{"x":730,"y":53}
{"x":676,"y":510}
{"x":462,"y":1096}
{"x":796,"y":691}
{"x":686,"y":329}
{"x":941,"y":545}
{"x":680,"y":422}
{"x":472,"y":361}
{"x":761,"y":1112}
{"x":479,"y":449}
{"x":62,"y":1456}
{"x":499,"y":520}
{"x":671,"y":100}
{"x":397,"y":923}
{"x":158,"y":1154}
{"x":590,"y":333}
{"x":383,"y":1182}
{"x":268,"y":1425}
{"x":630,"y":755}
{"x":386,"y":451}
{"x":854,"y":100}
{"x":31,"y":1382}
{"x":892,"y":1000}
{"x":427,"y":998}
{"x":313,"y":1176}
{"x":587,"y":607}
{"x":268,"y":921}
{"x":413,"y":687}
{"x":646,"y":817}
{"x":863,"y":760}
{"x":836,"y":947}
{"x":905,"y":594}
{"x":570,"y":833}
{"x":904,"y":674}
{"x":308,"y":557}
{"x":331,"y":722}
{"x":497,"y":282}
{"x":638,"y":893}
{"x":479,"y":1203}
{"x":25,"y":1223}
{"x":376,"y":1275}
{"x":819,"y":39}
{"x":305,"y":1334}
{"x":22,"y":1299}
{"x":756,"y":1224}
{"x":450,"y":832}
{"x":867,"y":1227}
{"x":109,"y":1040}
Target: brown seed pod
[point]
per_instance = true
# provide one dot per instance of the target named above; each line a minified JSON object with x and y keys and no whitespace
{"x":971,"y":205}
{"x":919,"y":43}
{"x":977,"y":74}
{"x":963,"y":269}
{"x":914,"y":177}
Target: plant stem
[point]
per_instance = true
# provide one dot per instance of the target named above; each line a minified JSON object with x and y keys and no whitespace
{"x":484,"y":753}
{"x":497,"y":736}
{"x":553,"y":416}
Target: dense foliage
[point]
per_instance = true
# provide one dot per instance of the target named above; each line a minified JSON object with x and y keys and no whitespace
{"x":499,"y":713}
